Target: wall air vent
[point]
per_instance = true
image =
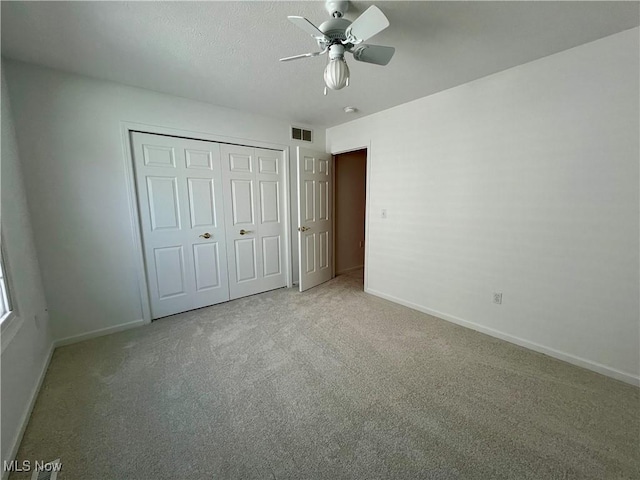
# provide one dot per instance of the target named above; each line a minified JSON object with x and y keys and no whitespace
{"x":298,"y":133}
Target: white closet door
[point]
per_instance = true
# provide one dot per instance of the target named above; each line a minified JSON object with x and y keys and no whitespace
{"x":254,"y":213}
{"x":179,"y":186}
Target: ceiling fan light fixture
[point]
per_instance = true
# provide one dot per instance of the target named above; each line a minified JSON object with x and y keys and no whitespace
{"x":336,"y":74}
{"x":339,"y":36}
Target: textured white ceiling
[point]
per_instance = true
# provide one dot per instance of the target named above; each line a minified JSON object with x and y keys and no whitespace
{"x":226,"y":53}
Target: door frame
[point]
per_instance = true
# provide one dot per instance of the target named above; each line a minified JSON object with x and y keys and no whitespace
{"x":126,"y":128}
{"x":333,"y":152}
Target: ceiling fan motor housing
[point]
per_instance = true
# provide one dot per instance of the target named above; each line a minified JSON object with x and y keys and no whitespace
{"x":335,"y":28}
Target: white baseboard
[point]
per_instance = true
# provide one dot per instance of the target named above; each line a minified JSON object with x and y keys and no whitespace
{"x":350,"y":269}
{"x":98,"y":333}
{"x":24,"y":420}
{"x":567,"y":357}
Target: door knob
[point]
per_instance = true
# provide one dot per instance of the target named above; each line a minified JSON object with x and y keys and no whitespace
{"x":244,"y":232}
{"x":303,"y":229}
{"x":205,"y":235}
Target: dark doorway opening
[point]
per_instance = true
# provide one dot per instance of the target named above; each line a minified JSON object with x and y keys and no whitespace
{"x":350,"y":206}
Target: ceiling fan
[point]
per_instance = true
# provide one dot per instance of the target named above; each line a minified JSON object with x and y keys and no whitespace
{"x":338,"y":35}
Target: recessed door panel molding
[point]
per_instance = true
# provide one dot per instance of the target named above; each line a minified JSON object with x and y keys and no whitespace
{"x":315,"y":240}
{"x":309,"y":165}
{"x":207,"y":266}
{"x":199,"y":159}
{"x":245,"y":250}
{"x":323,"y":167}
{"x":310,"y":200}
{"x":269,"y":165}
{"x":164,"y":209}
{"x":159,"y":156}
{"x":323,"y":201}
{"x":269,"y":202}
{"x":170,"y":274}
{"x":310,"y":241}
{"x":242,"y":201}
{"x":271,"y":251}
{"x":323,"y":257}
{"x":239,"y":163}
{"x":202,"y":202}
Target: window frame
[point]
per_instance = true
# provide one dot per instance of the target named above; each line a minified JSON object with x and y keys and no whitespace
{"x":5,"y":297}
{"x":10,"y":322}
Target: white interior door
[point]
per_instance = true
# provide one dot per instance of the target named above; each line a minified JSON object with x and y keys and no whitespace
{"x":179,"y":185}
{"x":315,"y":225}
{"x":254,"y":212}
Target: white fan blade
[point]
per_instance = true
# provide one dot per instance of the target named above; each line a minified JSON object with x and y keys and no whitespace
{"x":308,"y":27}
{"x":304,"y":55}
{"x":373,"y":54}
{"x":372,"y":21}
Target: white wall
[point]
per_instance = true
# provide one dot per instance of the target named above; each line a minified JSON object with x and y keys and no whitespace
{"x":524,"y":182}
{"x":69,"y":134}
{"x":25,"y":357}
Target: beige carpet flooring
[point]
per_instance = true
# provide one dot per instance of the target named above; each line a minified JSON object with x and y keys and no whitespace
{"x":328,"y":384}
